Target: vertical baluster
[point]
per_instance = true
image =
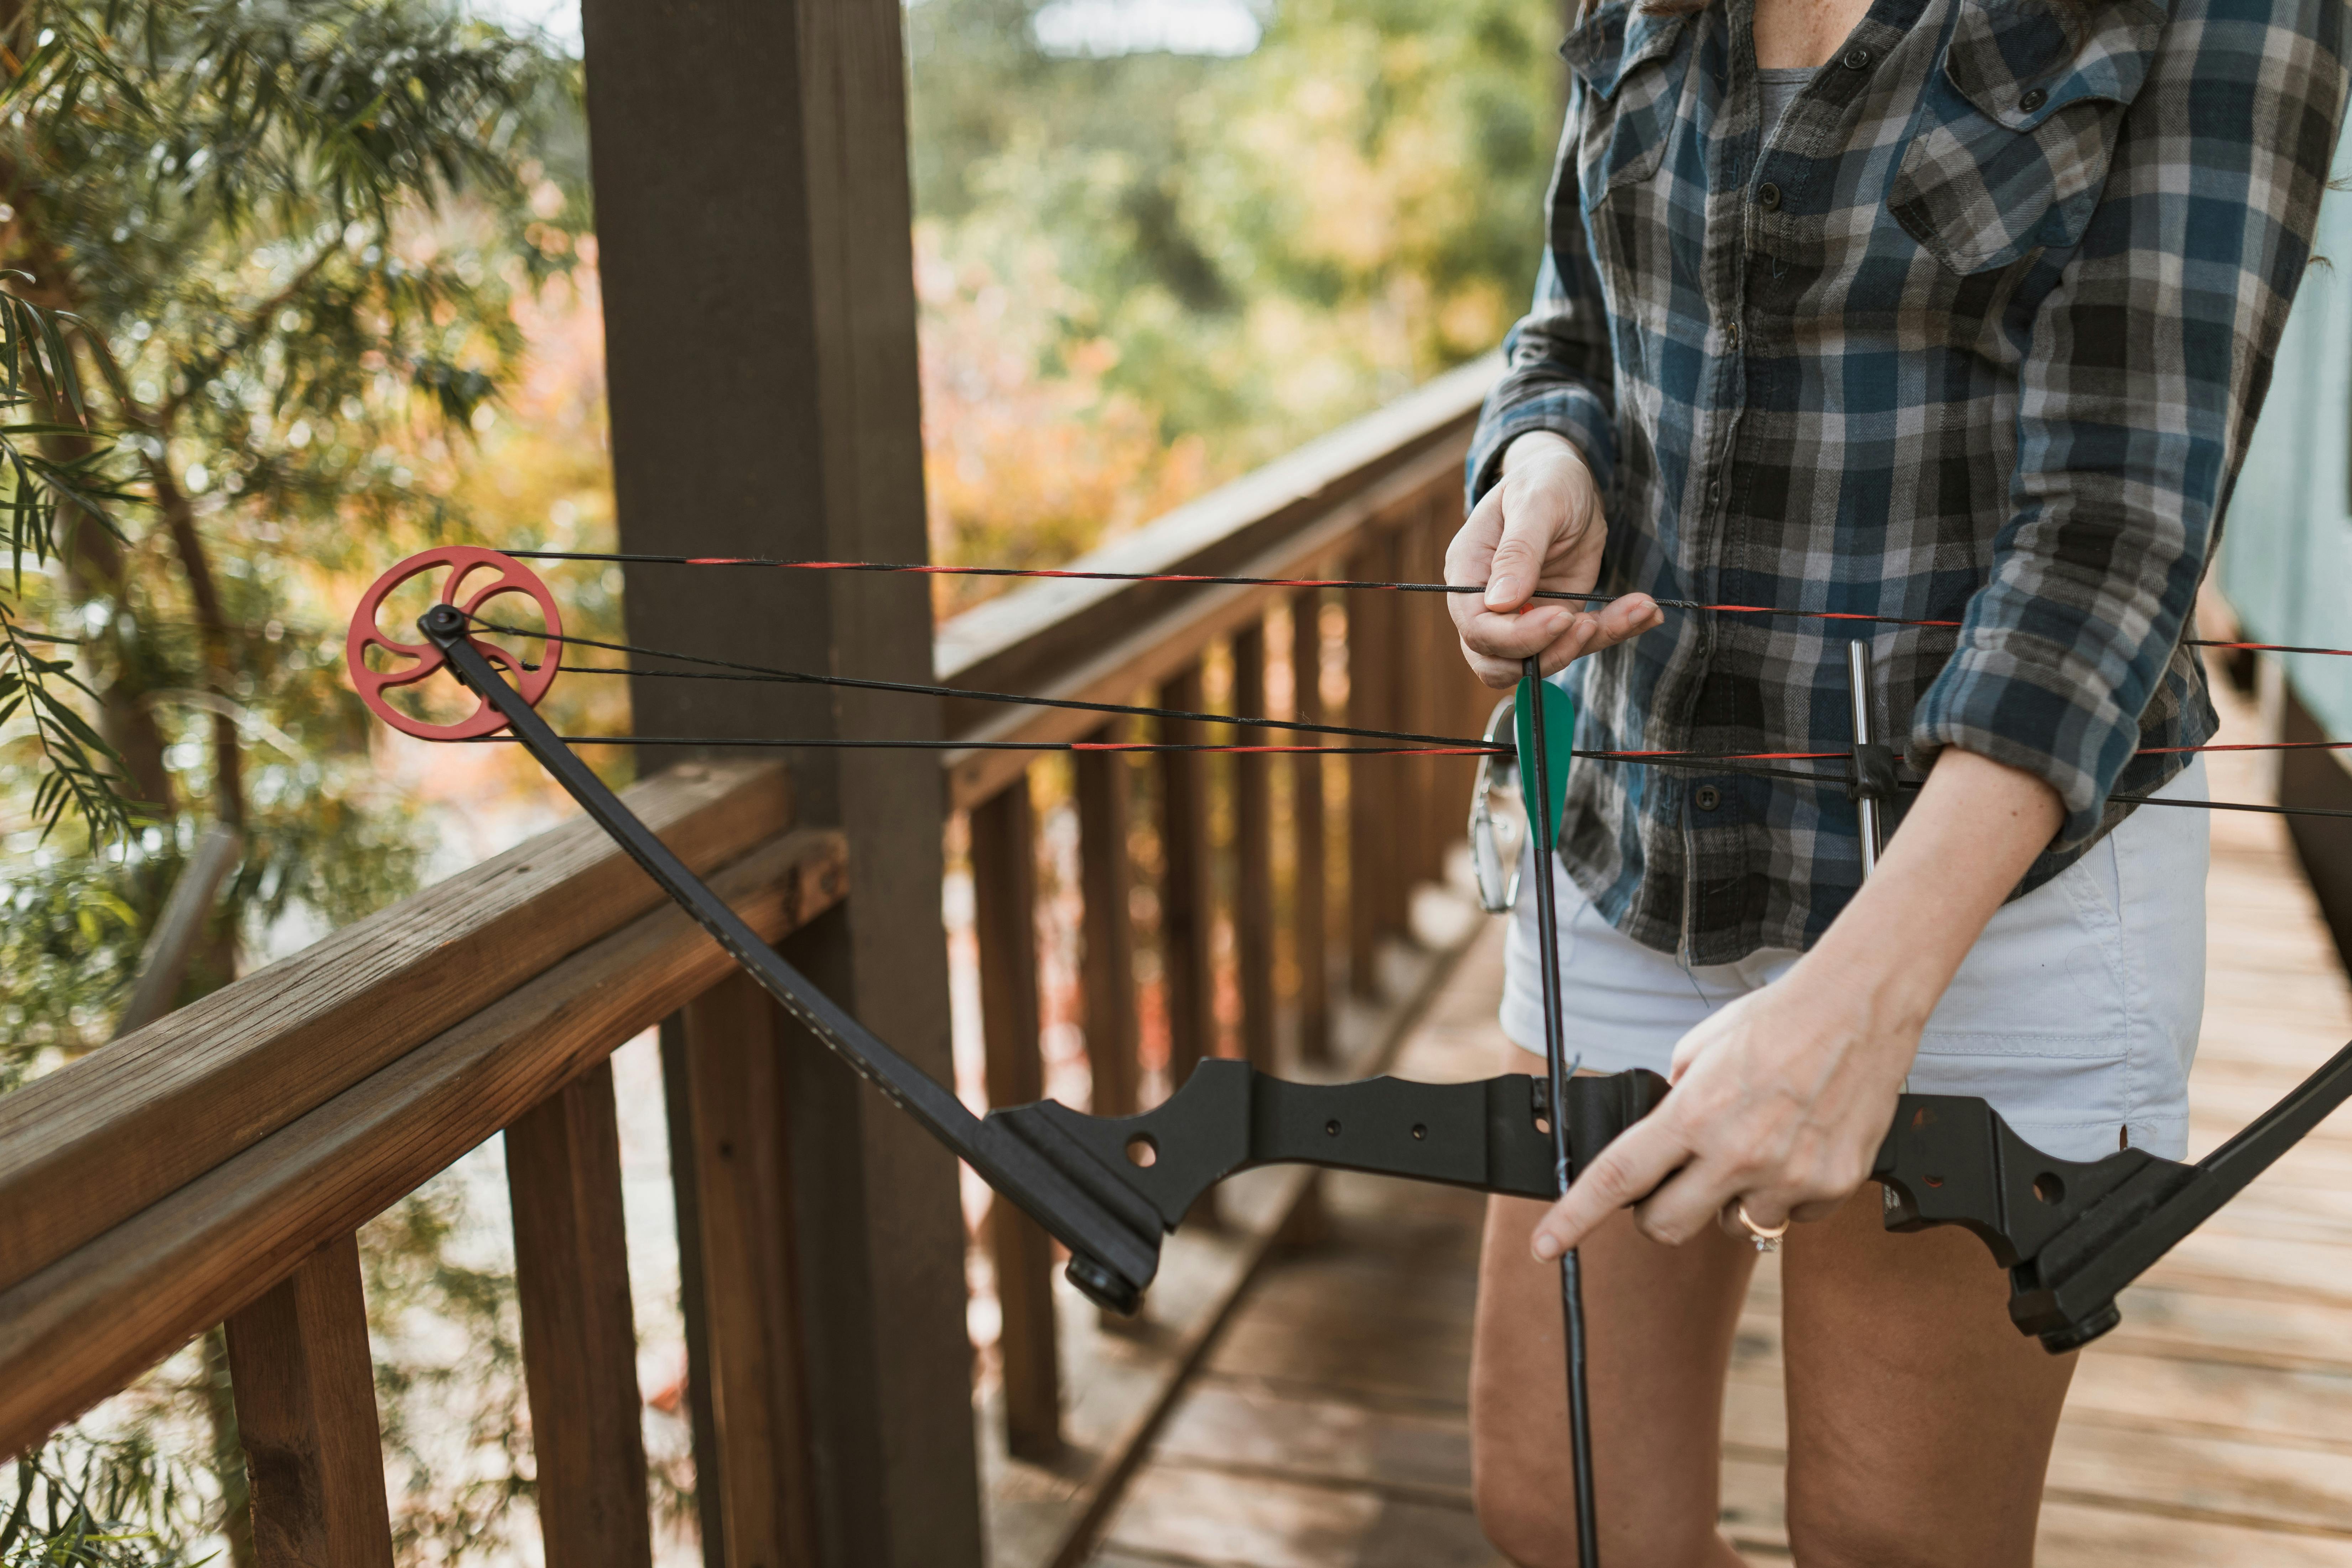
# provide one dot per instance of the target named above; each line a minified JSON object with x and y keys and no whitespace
{"x":1005,"y":916}
{"x":693,"y":1288}
{"x":306,"y":1413}
{"x":1370,"y":801}
{"x":734,"y":1040}
{"x":1414,"y":785}
{"x":579,"y":1332}
{"x":1254,"y":855}
{"x":1407,"y":781}
{"x":1432,"y":625}
{"x":1107,"y":969}
{"x":1468,"y":700}
{"x":1187,"y":906}
{"x":1310,"y":896}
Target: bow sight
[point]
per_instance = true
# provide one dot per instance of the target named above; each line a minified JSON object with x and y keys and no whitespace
{"x":2071,"y":1233}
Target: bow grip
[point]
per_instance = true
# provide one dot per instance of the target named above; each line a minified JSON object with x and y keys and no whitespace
{"x":1490,"y":1136}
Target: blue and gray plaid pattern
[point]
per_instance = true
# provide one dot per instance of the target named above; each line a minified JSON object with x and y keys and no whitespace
{"x":1977,"y":335}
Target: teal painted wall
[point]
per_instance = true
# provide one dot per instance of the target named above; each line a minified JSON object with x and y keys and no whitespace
{"x":2285,"y":563}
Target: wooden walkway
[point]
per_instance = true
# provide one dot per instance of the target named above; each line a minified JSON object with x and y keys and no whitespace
{"x":1326,"y":1429}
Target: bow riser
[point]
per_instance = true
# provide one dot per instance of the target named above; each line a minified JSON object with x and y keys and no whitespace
{"x":1489,"y":1136}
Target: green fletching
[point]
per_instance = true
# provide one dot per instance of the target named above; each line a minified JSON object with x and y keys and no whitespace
{"x":1560,"y":739}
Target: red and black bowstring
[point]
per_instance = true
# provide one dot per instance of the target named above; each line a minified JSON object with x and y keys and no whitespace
{"x":1400,"y":742}
{"x":1204,"y":579}
{"x":1405,"y":742}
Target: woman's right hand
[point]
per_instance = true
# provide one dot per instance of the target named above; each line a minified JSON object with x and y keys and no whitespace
{"x":1540,"y":527}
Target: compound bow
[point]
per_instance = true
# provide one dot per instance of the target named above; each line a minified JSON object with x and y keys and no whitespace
{"x":2071,"y":1233}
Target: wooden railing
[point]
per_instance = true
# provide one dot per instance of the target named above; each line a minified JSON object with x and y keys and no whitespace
{"x":214,"y":1165}
{"x":1376,"y":500}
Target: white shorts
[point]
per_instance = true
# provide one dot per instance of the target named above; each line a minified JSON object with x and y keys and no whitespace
{"x":2076,"y":1015}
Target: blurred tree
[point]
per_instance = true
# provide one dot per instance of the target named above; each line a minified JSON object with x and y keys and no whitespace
{"x":283,"y":243}
{"x":79,"y":1503}
{"x":286,"y":238}
{"x":1224,"y":256}
{"x":52,"y":457}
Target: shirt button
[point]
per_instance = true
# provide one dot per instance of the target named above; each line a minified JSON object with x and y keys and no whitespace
{"x":1768,"y":197}
{"x":1856,"y":60}
{"x":1707,"y":797}
{"x":2034,"y":98}
{"x":1731,"y":336}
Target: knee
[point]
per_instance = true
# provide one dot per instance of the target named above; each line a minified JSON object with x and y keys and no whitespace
{"x":1530,"y":1519}
{"x":1529,"y":1527}
{"x":1524,"y":1509}
{"x":1823,"y":1534}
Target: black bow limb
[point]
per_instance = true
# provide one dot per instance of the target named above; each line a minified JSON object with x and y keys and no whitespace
{"x":2071,"y":1233}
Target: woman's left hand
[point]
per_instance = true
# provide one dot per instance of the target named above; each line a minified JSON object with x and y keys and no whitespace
{"x":1782,"y":1098}
{"x":1780,"y":1101}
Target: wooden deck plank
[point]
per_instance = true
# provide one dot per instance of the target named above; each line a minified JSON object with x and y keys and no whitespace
{"x":1121,"y":1377}
{"x":1180,"y":1514}
{"x":1319,"y":1440}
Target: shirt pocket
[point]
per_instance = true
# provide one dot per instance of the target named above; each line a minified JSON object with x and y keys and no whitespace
{"x":1630,"y":76}
{"x":2017,"y":130}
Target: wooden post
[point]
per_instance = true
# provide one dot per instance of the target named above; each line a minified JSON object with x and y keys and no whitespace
{"x":1310,"y":898}
{"x":752,"y":214}
{"x":1371,"y":817}
{"x":579,"y":1330}
{"x":1254,"y":856}
{"x":761,"y":1470}
{"x":1187,"y":905}
{"x":1004,"y":918}
{"x":1107,"y":969}
{"x":306,"y":1414}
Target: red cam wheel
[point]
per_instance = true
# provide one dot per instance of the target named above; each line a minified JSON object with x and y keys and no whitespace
{"x":464,"y":562}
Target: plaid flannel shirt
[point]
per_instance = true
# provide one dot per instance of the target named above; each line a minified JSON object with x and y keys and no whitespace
{"x":1975,"y":333}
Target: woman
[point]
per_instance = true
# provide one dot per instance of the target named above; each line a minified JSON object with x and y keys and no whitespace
{"x":1951,"y":311}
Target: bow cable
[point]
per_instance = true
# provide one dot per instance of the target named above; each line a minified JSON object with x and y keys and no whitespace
{"x":1208,"y":578}
{"x":1409,"y":743}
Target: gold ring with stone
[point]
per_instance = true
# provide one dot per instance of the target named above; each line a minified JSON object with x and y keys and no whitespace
{"x":1766,"y":1237}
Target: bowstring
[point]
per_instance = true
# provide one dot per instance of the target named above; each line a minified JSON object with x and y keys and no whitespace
{"x":1410,"y":742}
{"x":1206,"y":579}
{"x":1735,"y":764}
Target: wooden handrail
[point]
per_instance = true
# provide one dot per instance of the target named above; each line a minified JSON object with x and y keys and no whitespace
{"x":1099,"y":641}
{"x":100,"y":1315}
{"x":101,"y":1138}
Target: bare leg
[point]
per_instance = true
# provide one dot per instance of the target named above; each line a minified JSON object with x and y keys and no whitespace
{"x":1919,"y":1420}
{"x":1661,"y":1320}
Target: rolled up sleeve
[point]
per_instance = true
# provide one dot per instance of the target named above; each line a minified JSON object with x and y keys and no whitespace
{"x":2146,"y":367}
{"x":1560,"y":375}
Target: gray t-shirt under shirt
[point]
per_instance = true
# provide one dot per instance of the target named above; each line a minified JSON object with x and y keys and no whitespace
{"x":1781,"y":87}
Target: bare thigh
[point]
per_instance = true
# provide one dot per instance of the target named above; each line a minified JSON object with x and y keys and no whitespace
{"x":1919,"y":1419}
{"x":1661,"y":1321}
